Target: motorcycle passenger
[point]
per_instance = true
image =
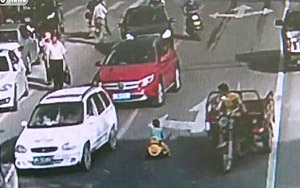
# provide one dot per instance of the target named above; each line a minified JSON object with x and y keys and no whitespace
{"x":100,"y":17}
{"x":157,"y":132}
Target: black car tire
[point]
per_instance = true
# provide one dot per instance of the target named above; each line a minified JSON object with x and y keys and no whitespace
{"x":86,"y":160}
{"x":15,"y":107}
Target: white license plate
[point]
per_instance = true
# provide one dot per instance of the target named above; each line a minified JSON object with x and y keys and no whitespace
{"x":42,"y":160}
{"x":121,"y":96}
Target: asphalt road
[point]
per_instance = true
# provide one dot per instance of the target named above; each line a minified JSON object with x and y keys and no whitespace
{"x":243,"y":52}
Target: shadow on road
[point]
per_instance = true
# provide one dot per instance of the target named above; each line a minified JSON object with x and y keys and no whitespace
{"x":38,"y":84}
{"x":84,"y":35}
{"x":262,"y":61}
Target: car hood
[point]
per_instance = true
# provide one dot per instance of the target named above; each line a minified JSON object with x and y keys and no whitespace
{"x":126,"y":72}
{"x":45,"y":137}
{"x":5,"y":78}
{"x":148,"y":29}
{"x":9,"y":45}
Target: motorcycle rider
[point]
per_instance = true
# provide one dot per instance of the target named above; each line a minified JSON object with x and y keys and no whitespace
{"x":157,"y":132}
{"x":190,"y":6}
{"x":100,"y":17}
{"x":231,"y":102}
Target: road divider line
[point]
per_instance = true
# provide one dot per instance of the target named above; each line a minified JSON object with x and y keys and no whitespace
{"x":126,"y":125}
{"x":273,"y":156}
{"x":116,"y":5}
{"x":72,"y":11}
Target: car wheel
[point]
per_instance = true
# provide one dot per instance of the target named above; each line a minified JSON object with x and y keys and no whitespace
{"x":160,"y":98}
{"x":15,"y":107}
{"x":86,"y":159}
{"x":112,"y":141}
{"x":177,"y":81}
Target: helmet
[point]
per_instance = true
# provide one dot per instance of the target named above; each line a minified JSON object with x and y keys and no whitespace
{"x":223,"y":87}
{"x":156,"y":123}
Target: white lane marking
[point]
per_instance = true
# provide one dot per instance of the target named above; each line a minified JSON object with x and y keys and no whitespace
{"x":196,"y":126}
{"x":127,"y":124}
{"x":272,"y":161}
{"x":72,"y":11}
{"x":137,"y":3}
{"x":116,"y":5}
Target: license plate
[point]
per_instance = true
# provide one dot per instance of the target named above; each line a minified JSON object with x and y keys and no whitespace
{"x":42,"y":160}
{"x":121,"y":96}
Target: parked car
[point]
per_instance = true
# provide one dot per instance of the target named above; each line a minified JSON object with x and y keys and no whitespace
{"x":13,"y":36}
{"x":66,"y":127}
{"x":143,"y":20}
{"x":139,"y":70}
{"x":13,"y":81}
{"x":290,"y":34}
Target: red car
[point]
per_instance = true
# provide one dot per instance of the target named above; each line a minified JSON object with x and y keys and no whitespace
{"x":142,"y":69}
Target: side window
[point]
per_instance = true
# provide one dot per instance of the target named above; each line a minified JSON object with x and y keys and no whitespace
{"x":14,"y":60}
{"x":99,"y":105}
{"x":91,"y":110}
{"x":23,"y":32}
{"x":163,"y":47}
{"x":104,"y":98}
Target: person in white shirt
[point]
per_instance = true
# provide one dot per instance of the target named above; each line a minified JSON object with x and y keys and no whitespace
{"x":55,"y":56}
{"x":44,"y":44}
{"x":100,"y":18}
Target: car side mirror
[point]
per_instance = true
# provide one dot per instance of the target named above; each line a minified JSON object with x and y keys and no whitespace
{"x":98,"y":64}
{"x":278,"y":22}
{"x":24,"y":123}
{"x":172,"y":20}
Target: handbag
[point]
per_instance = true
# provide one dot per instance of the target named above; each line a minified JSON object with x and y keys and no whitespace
{"x":67,"y":75}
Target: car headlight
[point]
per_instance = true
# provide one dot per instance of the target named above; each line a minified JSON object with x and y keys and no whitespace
{"x":20,"y":149}
{"x":50,"y":16}
{"x":207,"y":126}
{"x":129,"y":36}
{"x":195,"y":17}
{"x":5,"y":87}
{"x":68,"y":146}
{"x":167,"y":34}
{"x":147,"y":80}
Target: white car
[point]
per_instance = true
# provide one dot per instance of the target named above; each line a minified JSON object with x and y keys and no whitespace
{"x":66,"y":127}
{"x":13,"y":81}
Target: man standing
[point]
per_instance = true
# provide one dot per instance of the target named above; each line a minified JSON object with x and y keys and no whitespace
{"x":55,"y":56}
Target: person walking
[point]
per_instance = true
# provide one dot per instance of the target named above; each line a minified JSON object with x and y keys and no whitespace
{"x":56,"y":56}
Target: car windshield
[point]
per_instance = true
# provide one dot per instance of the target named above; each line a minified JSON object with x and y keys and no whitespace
{"x":131,"y":54}
{"x":140,"y":18}
{"x":293,"y":19}
{"x":3,"y":64}
{"x":8,"y":36}
{"x":57,"y":115}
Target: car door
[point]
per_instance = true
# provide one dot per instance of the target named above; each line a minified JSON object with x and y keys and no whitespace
{"x":101,"y":120}
{"x":17,"y":71}
{"x":165,"y":62}
{"x":92,"y":121}
{"x":110,"y":112}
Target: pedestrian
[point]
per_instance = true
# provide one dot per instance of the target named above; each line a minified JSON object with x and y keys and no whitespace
{"x":100,"y":19}
{"x":56,"y":56}
{"x":45,"y":44}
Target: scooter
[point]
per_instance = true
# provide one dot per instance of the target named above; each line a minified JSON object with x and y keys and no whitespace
{"x":155,"y":148}
{"x":194,"y":24}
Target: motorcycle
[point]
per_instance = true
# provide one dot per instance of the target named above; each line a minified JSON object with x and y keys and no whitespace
{"x":225,"y":142}
{"x":194,"y":24}
{"x":155,"y":148}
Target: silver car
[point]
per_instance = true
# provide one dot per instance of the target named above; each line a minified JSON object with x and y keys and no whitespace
{"x":16,"y":36}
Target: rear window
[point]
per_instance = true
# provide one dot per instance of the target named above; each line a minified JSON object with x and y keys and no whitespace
{"x":3,"y":64}
{"x":8,"y":36}
{"x":139,"y":18}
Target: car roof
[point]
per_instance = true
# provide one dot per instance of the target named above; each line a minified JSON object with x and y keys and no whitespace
{"x":139,"y":41}
{"x":144,"y":8}
{"x":10,"y":27}
{"x":71,"y":94}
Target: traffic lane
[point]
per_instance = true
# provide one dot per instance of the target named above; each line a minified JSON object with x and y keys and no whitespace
{"x":81,"y":58}
{"x":191,"y":165}
{"x":288,"y":163}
